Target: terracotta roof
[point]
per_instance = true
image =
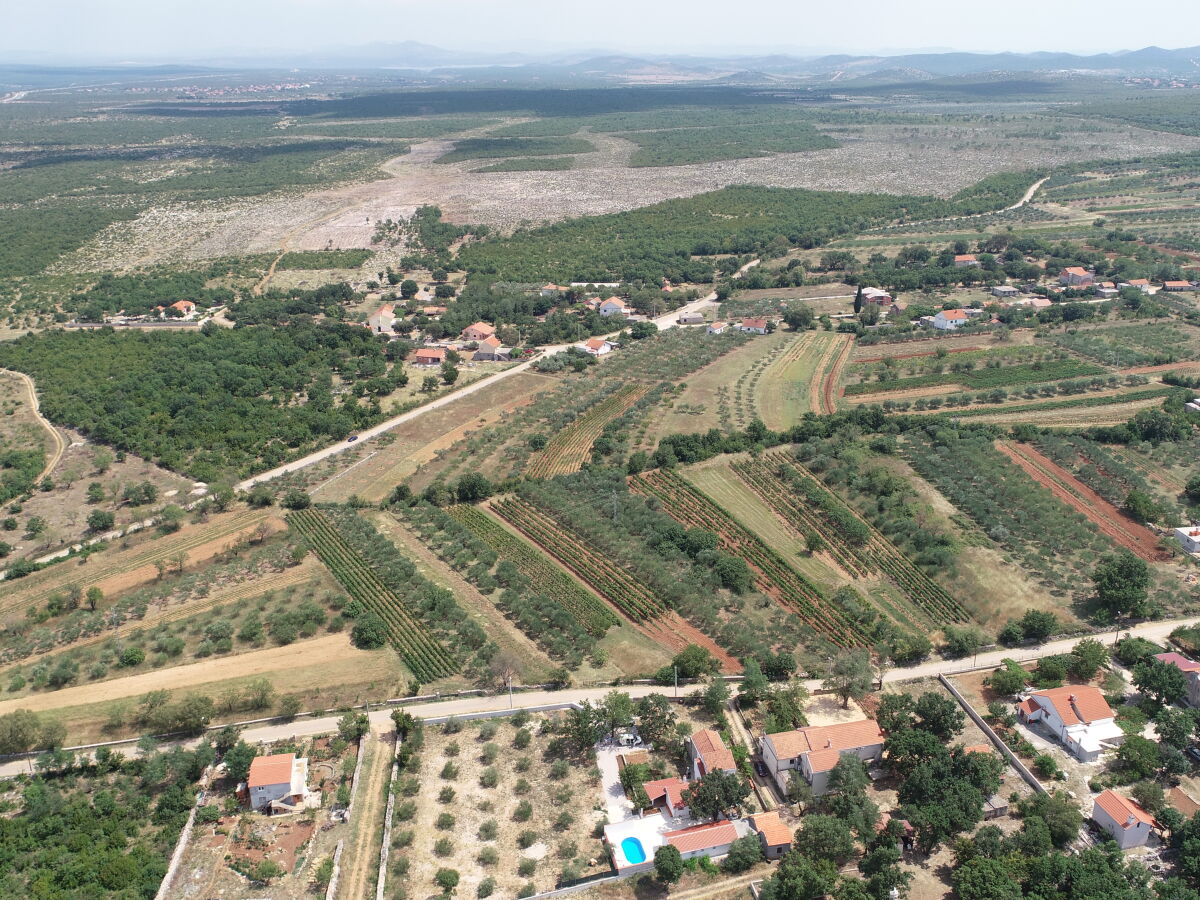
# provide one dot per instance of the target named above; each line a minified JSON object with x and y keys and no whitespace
{"x":952,"y":314}
{"x":843,"y":736}
{"x":964,"y":257}
{"x":1028,"y":707}
{"x":430,"y":353}
{"x":702,"y":837}
{"x":1077,"y":703}
{"x":1187,"y":284}
{"x":712,"y":750}
{"x":772,"y":828}
{"x":1122,"y":808}
{"x":823,"y":760}
{"x":188,"y":304}
{"x":1179,"y":661}
{"x":481,"y":327}
{"x":671,"y":788}
{"x":1182,"y":803}
{"x":1076,"y":270}
{"x":490,"y":341}
{"x":275,"y":769}
{"x":433,"y":310}
{"x":595,"y":343}
{"x":754,"y":323}
{"x":1138,"y":282}
{"x":978,"y":748}
{"x":615,"y":301}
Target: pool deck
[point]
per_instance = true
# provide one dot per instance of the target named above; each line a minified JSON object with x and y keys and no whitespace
{"x":648,"y":830}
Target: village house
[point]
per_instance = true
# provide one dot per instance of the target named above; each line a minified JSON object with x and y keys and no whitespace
{"x":491,"y":350}
{"x":277,"y":783}
{"x":633,"y":842}
{"x":477,"y":332}
{"x":691,"y":318}
{"x":596,"y":346}
{"x":1178,"y":286}
{"x":965,"y":261}
{"x":187,"y":309}
{"x":666,"y":794}
{"x":1142,"y":284}
{"x":429,"y":356}
{"x":949,"y":319}
{"x":815,"y":750}
{"x":1005,"y":291}
{"x":1189,"y":536}
{"x":614,"y":306}
{"x":1076,"y":276}
{"x":433,"y":312}
{"x":552,"y":290}
{"x":1190,"y":670}
{"x":1078,"y":715}
{"x":753,"y":326}
{"x":712,"y":840}
{"x":707,"y":753}
{"x":775,"y":835}
{"x":718,"y":327}
{"x":1107,"y":291}
{"x":1126,"y":821}
{"x":876,"y":296}
{"x":382,"y":319}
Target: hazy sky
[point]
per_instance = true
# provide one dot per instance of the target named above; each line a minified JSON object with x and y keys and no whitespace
{"x":194,"y":29}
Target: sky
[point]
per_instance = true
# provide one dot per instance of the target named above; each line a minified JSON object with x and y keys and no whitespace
{"x":193,"y":30}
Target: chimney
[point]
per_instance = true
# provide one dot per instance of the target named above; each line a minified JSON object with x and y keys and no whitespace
{"x":1130,"y":820}
{"x":828,"y":743}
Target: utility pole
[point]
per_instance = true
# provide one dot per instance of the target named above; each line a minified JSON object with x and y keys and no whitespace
{"x":676,"y":668}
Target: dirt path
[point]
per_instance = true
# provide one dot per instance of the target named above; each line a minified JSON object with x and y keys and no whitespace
{"x":369,"y":808}
{"x":829,"y":383}
{"x":299,"y":655}
{"x":815,"y":399}
{"x":60,"y":443}
{"x":1106,"y":517}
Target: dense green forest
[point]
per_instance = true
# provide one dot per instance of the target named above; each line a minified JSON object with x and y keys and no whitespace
{"x":684,"y":146}
{"x":214,"y":403}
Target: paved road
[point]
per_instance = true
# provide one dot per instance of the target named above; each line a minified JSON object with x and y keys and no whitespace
{"x":381,"y":718}
{"x":663,"y":322}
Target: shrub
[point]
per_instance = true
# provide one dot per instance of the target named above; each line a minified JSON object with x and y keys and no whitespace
{"x":449,"y":771}
{"x":488,"y":856}
{"x":526,"y":867}
{"x":521,"y":787}
{"x":527,"y":838}
{"x":1045,"y":766}
{"x":446,"y":879}
{"x":523,"y":811}
{"x":486,"y":887}
{"x":444,"y":847}
{"x":488,"y":778}
{"x":446,"y":795}
{"x":564,"y":821}
{"x":521,"y":739}
{"x":445,"y":821}
{"x":488,"y":830}
{"x":559,"y":769}
{"x":406,"y":811}
{"x":528,"y":889}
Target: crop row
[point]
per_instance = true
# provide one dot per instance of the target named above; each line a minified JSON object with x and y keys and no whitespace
{"x":545,"y":576}
{"x":860,"y":538}
{"x":613,"y":583}
{"x":423,"y":655}
{"x":1076,"y":403}
{"x":982,"y":379}
{"x":774,"y":577}
{"x":567,"y":450}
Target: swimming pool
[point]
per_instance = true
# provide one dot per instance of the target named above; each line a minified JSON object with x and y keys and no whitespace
{"x":634,"y":853}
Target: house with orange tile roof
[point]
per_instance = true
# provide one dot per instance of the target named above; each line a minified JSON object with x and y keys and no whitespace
{"x":597,"y":346}
{"x":1076,"y":714}
{"x":966,"y":261}
{"x":718,"y":327}
{"x":1076,"y":276}
{"x":707,"y":753}
{"x":1190,"y":670}
{"x":816,"y":749}
{"x":277,"y":783}
{"x":613,"y":306}
{"x":756,"y":325}
{"x":1142,"y":284}
{"x":429,"y":356}
{"x":187,"y":309}
{"x":667,"y":794}
{"x":712,"y":840}
{"x":491,"y":349}
{"x":1178,"y":286}
{"x":1128,"y":823}
{"x":478,"y":331}
{"x":774,"y":833}
{"x":381,"y":321}
{"x":949,"y":319}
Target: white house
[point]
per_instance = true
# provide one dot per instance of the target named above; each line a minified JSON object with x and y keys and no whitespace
{"x":1190,"y":670}
{"x":382,"y":319}
{"x":596,"y":346}
{"x":1142,"y":284}
{"x":667,"y":794}
{"x":815,"y":750}
{"x":278,"y":782}
{"x":949,"y":319}
{"x":1076,"y":276}
{"x":614,"y":306}
{"x":966,"y":261}
{"x":1128,"y":823}
{"x":1078,"y":715}
{"x":712,"y":840}
{"x":1189,"y":537}
{"x":707,"y":753}
{"x":754,"y":326}
{"x":876,"y":296}
{"x":490,"y":349}
{"x":718,"y":327}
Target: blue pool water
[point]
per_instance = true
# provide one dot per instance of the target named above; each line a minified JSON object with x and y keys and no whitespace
{"x":633,"y":850}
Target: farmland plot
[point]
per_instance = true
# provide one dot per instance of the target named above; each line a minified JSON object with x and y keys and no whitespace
{"x":783,"y":394}
{"x":569,"y":448}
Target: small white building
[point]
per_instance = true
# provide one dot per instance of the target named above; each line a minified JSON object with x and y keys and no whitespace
{"x":707,"y":753}
{"x":614,"y":306}
{"x":753,"y":326}
{"x":597,"y":346}
{"x":966,"y":261}
{"x":949,"y":319}
{"x":1126,"y":821}
{"x":1189,"y":537}
{"x":815,"y":750}
{"x":718,"y":327}
{"x":382,"y":319}
{"x":1078,"y":715}
{"x":277,"y":783}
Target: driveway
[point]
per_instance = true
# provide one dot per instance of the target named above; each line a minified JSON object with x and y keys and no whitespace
{"x":616,"y":804}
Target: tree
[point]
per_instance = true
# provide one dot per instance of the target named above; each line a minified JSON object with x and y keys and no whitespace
{"x":694,"y":661}
{"x":939,"y":715}
{"x":296,"y":499}
{"x":982,"y":878}
{"x":1162,"y":682}
{"x":716,"y":695}
{"x":799,"y":878}
{"x":1122,"y":583}
{"x":1142,"y":507}
{"x":472,"y":488}
{"x":850,"y":676}
{"x":754,"y":686}
{"x":449,"y":373}
{"x":657,"y":720}
{"x":265,"y":871}
{"x":18,"y":731}
{"x":1139,"y":756}
{"x":429,"y":384}
{"x":446,"y":879}
{"x":715,"y":795}
{"x":825,"y":838}
{"x":94,"y":598}
{"x":616,"y":710}
{"x":370,"y":632}
{"x":1038,"y":625}
{"x":896,"y":712}
{"x":744,"y":854}
{"x":237,"y":761}
{"x":858,"y":300}
{"x":99,"y":520}
{"x":353,"y":726}
{"x":1008,"y":679}
{"x":1149,"y":795}
{"x":409,"y":288}
{"x":963,"y":641}
{"x":95,"y":492}
{"x":668,"y":864}
{"x":1086,"y":659}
